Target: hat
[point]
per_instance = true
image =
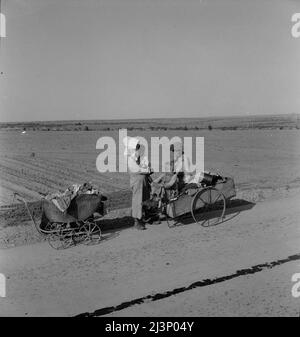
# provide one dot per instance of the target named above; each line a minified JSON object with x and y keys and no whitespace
{"x":177,"y":148}
{"x":130,"y":144}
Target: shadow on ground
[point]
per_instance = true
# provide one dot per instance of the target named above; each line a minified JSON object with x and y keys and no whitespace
{"x":116,"y":223}
{"x":233,"y":209}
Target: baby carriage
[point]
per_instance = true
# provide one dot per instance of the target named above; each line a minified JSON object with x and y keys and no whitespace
{"x":76,"y":225}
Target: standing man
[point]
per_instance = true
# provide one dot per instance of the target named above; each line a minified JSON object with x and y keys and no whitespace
{"x":139,"y":170}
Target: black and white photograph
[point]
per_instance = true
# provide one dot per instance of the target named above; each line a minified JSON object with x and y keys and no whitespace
{"x":149,"y":161}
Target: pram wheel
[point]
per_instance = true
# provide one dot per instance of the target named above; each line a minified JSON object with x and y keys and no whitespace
{"x":61,"y":240}
{"x":91,"y":232}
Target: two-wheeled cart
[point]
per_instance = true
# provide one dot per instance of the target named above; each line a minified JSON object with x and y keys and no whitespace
{"x":205,"y":202}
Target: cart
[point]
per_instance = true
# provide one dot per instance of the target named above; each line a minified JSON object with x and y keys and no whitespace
{"x":205,"y":202}
{"x":63,"y":229}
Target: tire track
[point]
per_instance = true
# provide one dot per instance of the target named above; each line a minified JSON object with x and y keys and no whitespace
{"x":202,"y":283}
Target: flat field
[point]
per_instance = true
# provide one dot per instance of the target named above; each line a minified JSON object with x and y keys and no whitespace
{"x":40,"y":162}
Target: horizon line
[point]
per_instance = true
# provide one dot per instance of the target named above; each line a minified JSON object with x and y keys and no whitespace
{"x":158,"y":118}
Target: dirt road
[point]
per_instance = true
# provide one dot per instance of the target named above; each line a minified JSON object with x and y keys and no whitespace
{"x":132,"y":264}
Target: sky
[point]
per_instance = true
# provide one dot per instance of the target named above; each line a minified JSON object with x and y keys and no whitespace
{"x":119,"y":59}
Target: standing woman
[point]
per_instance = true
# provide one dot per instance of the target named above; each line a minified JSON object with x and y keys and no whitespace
{"x":139,"y":171}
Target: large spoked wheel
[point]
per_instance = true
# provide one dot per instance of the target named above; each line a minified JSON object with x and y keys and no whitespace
{"x":208,"y":207}
{"x":91,"y":233}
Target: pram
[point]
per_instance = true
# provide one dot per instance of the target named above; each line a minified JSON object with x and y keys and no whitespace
{"x":76,"y":225}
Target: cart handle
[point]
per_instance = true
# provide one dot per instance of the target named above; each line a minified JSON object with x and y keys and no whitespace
{"x":18,"y":197}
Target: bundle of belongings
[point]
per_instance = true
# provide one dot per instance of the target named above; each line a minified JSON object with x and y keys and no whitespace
{"x":170,"y":185}
{"x":179,"y":176}
{"x":62,"y":200}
